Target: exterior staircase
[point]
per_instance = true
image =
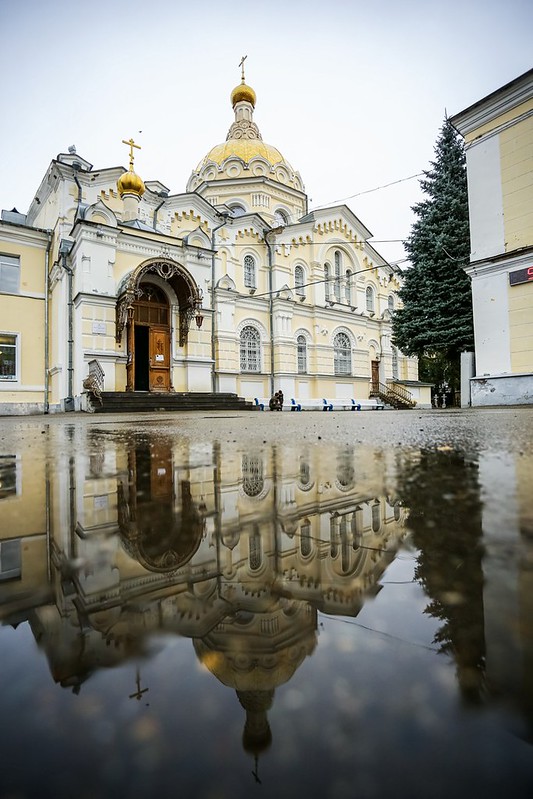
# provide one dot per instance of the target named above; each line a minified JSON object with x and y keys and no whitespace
{"x":394,"y":395}
{"x":141,"y":402}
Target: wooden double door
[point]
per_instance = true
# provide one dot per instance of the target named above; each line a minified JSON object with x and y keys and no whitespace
{"x":149,"y":343}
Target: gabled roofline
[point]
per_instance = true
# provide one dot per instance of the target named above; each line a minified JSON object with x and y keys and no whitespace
{"x":497,"y":102}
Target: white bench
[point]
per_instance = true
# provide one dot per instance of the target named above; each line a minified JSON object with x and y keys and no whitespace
{"x":311,"y":405}
{"x":351,"y":404}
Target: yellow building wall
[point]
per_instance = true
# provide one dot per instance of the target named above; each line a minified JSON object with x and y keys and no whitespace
{"x":520,"y":299}
{"x":516,"y":153}
{"x":25,"y":316}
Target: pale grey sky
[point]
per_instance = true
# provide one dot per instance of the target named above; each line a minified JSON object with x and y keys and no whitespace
{"x":353,"y":93}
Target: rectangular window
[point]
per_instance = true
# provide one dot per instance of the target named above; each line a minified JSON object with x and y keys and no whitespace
{"x":8,"y":476}
{"x":9,"y":274}
{"x":8,"y":356}
{"x":10,"y":560}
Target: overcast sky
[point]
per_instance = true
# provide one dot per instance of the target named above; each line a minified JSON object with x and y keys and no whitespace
{"x":353,"y":93}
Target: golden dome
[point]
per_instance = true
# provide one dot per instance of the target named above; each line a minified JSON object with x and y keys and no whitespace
{"x":246,"y":149}
{"x":243,"y":93}
{"x":130,"y":183}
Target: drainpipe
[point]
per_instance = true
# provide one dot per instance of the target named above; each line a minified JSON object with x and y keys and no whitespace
{"x":65,"y":248}
{"x":266,"y":234}
{"x":213,"y":308}
{"x":163,"y":201}
{"x":46,"y":403}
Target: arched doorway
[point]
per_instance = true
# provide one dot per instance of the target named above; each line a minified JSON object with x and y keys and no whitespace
{"x":144,"y":313}
{"x":151,"y":340}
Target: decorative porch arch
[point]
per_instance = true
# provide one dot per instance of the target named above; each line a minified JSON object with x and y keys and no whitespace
{"x":188,"y":293}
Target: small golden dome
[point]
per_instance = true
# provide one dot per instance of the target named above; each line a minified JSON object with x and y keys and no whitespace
{"x":243,"y":93}
{"x":130,"y":183}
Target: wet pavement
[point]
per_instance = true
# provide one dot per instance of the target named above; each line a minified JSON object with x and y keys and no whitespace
{"x":240,"y":604}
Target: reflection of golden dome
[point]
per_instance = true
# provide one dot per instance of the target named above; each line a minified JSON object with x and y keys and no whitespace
{"x":243,"y":93}
{"x":245,"y":149}
{"x":130,"y":183}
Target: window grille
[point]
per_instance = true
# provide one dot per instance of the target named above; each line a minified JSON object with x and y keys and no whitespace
{"x":337,"y":283}
{"x":250,"y":350}
{"x":348,"y":287}
{"x":249,"y":272}
{"x":395,"y":363}
{"x":302,"y":355}
{"x":299,"y":280}
{"x":252,"y":475}
{"x":342,"y":354}
{"x":305,"y":538}
{"x":255,"y":550}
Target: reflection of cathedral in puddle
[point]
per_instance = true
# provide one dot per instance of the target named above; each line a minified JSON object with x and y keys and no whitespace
{"x":237,"y":551}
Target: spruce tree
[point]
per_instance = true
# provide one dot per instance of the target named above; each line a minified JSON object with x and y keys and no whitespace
{"x":435,"y":322}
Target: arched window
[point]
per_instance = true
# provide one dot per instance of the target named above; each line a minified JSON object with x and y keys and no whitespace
{"x":280,"y":218}
{"x":252,"y":475}
{"x":299,"y":280}
{"x":394,"y":363}
{"x":390,"y":303}
{"x":250,"y":349}
{"x":348,"y":287}
{"x":237,"y":210}
{"x":249,"y":272}
{"x":337,"y":284}
{"x":327,"y":276}
{"x":255,"y":550}
{"x":342,"y":352}
{"x":305,"y":473}
{"x":301,"y":343}
{"x":305,"y":538}
{"x":376,"y":516}
{"x":370,"y":299}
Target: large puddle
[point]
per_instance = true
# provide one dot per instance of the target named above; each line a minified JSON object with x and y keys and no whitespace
{"x":197,"y":619}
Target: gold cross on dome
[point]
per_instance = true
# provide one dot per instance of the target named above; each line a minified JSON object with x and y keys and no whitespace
{"x":131,"y":144}
{"x":241,"y":64}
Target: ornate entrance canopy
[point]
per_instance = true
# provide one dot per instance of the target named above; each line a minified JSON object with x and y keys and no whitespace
{"x":188,"y":293}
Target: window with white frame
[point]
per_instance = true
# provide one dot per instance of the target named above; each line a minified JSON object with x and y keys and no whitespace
{"x":337,"y":283}
{"x":370,"y":301}
{"x":327,"y":275}
{"x":390,"y":303}
{"x":250,"y":342}
{"x":9,"y":274}
{"x":237,"y":210}
{"x":299,"y":280}
{"x":301,"y":342}
{"x":348,"y":287}
{"x":342,"y":353}
{"x":8,"y":356}
{"x":249,"y":272}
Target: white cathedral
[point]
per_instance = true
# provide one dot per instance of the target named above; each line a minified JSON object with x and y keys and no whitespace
{"x":112,"y":284}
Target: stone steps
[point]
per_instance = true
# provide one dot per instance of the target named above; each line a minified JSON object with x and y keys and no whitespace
{"x":141,"y":401}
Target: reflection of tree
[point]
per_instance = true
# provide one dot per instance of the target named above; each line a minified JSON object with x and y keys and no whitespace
{"x":442,"y":491}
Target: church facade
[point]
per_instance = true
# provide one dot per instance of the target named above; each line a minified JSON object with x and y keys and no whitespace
{"x":232,"y":286}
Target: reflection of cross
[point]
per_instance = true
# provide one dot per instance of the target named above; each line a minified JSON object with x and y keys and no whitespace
{"x":241,"y":64}
{"x":139,"y":692}
{"x":256,"y":772}
{"x":131,"y":144}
